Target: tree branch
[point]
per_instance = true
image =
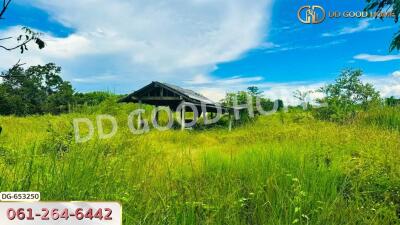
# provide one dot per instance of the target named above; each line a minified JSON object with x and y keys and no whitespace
{"x":18,"y":46}
{"x":6,"y":3}
{"x":16,"y":65}
{"x":2,"y":39}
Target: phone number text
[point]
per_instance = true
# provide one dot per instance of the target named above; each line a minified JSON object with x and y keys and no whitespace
{"x":59,"y":214}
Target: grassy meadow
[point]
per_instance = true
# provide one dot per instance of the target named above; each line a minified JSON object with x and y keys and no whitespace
{"x":287,"y":168}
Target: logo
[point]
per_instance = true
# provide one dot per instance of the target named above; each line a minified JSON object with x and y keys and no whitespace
{"x":311,"y":14}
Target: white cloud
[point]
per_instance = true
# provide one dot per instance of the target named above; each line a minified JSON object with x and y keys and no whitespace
{"x":361,"y":26}
{"x":268,"y":45}
{"x":271,"y":90}
{"x":235,"y":80}
{"x":387,"y":85}
{"x":128,"y":43}
{"x":69,"y":47}
{"x":144,"y":40}
{"x":56,"y":48}
{"x":284,"y":91}
{"x":96,"y":79}
{"x":216,"y":89}
{"x":396,"y":74}
{"x":213,"y":93}
{"x":239,"y":80}
{"x":381,"y":28}
{"x":290,"y":47}
{"x":200,"y":79}
{"x":376,"y":58}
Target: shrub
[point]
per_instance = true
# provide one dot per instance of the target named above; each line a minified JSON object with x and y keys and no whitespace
{"x":346,"y":96}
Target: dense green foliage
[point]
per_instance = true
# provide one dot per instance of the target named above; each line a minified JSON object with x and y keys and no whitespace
{"x":37,"y":89}
{"x":346,"y":96}
{"x":392,"y":101}
{"x":94,"y":98}
{"x":283,"y":169}
{"x":40,"y":89}
{"x":254,"y":96}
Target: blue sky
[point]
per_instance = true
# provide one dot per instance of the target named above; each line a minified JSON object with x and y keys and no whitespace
{"x":209,"y":46}
{"x":304,"y":54}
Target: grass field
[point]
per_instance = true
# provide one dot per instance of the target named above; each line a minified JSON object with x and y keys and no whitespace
{"x":283,"y":169}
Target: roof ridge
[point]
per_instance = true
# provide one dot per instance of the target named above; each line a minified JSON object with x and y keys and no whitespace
{"x":181,"y":89}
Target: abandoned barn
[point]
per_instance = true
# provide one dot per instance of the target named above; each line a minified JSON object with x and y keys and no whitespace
{"x":172,"y":96}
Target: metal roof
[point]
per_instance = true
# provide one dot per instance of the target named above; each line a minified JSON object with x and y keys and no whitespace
{"x":190,"y":93}
{"x":181,"y":94}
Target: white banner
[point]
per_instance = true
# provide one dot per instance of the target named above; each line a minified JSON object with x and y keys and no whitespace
{"x":20,"y":196}
{"x":60,"y":213}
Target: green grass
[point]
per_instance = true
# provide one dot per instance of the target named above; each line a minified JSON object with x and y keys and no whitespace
{"x":388,"y":118}
{"x":281,"y":169}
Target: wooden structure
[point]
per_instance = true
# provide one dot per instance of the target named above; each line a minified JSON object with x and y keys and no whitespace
{"x":172,"y":96}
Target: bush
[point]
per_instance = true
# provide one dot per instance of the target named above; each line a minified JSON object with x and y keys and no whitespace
{"x":346,"y":97}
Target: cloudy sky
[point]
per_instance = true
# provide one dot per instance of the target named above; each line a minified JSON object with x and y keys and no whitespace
{"x":212,"y":46}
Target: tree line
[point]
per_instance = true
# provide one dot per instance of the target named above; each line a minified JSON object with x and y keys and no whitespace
{"x":342,"y":100}
{"x":40,"y":89}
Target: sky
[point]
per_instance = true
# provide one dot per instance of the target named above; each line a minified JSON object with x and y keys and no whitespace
{"x":210,"y":46}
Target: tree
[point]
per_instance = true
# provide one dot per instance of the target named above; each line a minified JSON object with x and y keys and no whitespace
{"x":347,"y":95}
{"x":254,"y":91}
{"x":60,"y":99}
{"x":22,"y":41}
{"x":392,"y":101}
{"x":38,"y":89}
{"x":303,"y":97}
{"x":255,"y":95}
{"x":93,"y":98}
{"x":380,"y":6}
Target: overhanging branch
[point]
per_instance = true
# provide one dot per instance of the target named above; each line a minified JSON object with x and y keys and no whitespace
{"x":6,"y":3}
{"x":18,"y":46}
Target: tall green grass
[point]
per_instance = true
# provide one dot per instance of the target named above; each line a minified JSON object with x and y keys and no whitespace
{"x":278,"y":170}
{"x":387,"y":117}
